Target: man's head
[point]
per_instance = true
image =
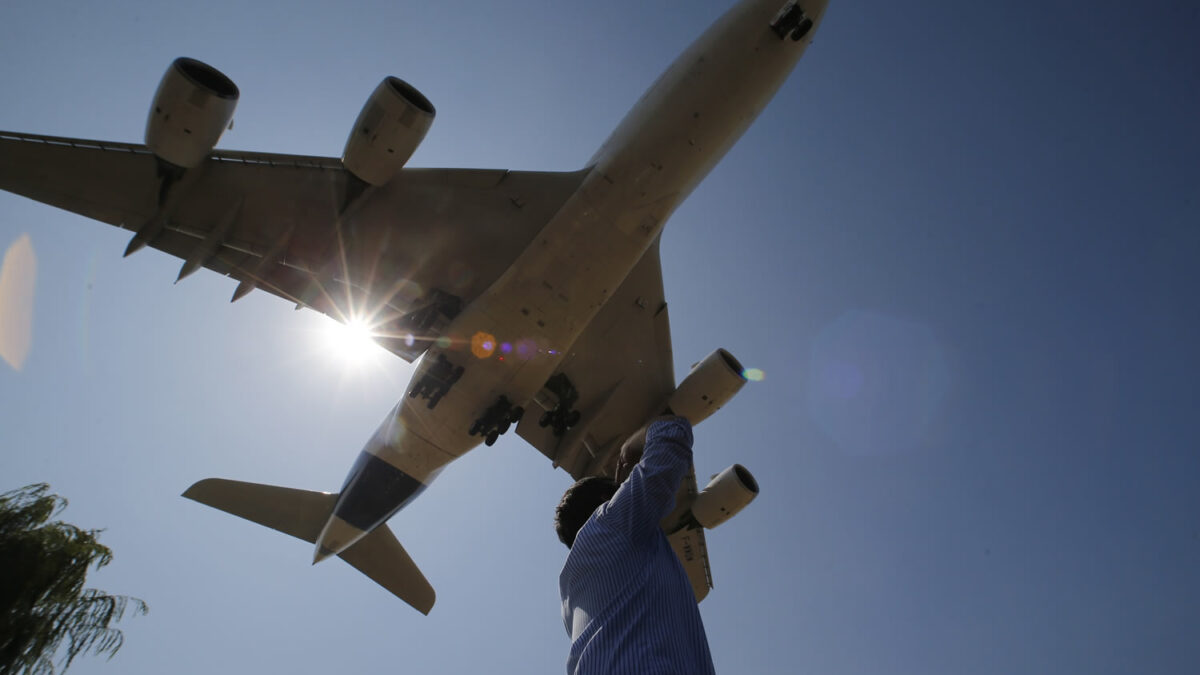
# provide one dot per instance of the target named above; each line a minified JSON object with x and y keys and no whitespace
{"x":578,"y":503}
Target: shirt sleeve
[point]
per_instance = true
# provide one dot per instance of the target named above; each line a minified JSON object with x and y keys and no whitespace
{"x":648,"y":495}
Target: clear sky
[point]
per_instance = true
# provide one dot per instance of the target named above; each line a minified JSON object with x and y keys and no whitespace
{"x":963,"y":244}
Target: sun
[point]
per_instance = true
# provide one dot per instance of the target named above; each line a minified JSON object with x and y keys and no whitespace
{"x":351,"y":341}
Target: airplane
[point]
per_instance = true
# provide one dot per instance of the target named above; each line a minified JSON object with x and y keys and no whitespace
{"x":556,"y":323}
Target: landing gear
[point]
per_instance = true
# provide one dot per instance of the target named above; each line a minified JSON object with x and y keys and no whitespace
{"x":563,"y":416}
{"x":436,"y":381}
{"x":496,"y":420}
{"x":802,"y":30}
{"x":791,"y":21}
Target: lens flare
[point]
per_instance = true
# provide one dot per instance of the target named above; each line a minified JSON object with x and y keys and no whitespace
{"x":483,"y":344}
{"x":754,"y":374}
{"x":443,"y":342}
{"x":395,"y":430}
{"x":877,"y":383}
{"x":18,"y":273}
{"x":526,"y":349}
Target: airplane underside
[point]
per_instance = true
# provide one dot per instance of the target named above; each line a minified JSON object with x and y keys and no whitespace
{"x":559,"y":326}
{"x":558,"y":284}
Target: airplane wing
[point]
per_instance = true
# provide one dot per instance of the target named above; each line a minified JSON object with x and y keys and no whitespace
{"x":620,"y":369}
{"x":405,"y":257}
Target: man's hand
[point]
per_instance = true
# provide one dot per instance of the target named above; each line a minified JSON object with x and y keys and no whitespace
{"x":631,"y":450}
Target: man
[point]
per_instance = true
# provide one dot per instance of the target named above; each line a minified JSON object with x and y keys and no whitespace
{"x":627,"y":602}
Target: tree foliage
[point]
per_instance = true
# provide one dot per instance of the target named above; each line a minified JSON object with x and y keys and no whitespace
{"x":44,"y":609}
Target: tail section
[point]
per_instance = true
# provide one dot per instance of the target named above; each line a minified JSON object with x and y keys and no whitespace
{"x":302,"y":514}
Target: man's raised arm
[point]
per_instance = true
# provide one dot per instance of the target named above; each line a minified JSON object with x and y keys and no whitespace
{"x":648,"y":495}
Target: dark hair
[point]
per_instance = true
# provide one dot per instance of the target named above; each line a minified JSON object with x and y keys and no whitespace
{"x":578,"y":503}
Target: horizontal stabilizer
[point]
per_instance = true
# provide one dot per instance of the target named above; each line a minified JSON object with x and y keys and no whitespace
{"x":302,"y":514}
{"x":380,"y":556}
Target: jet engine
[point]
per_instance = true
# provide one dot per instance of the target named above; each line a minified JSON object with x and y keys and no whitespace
{"x":709,"y":385}
{"x":192,"y":108}
{"x":725,"y":495}
{"x":387,"y":132}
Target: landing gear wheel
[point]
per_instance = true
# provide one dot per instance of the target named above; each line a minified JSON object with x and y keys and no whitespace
{"x":475,"y":428}
{"x":545,"y":419}
{"x":802,"y":30}
{"x":504,"y":428}
{"x":491,"y":438}
{"x":516,"y":414}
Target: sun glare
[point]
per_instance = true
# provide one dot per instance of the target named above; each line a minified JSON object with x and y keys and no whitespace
{"x":351,"y":341}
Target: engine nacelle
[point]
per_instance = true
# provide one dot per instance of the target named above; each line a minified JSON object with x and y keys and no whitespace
{"x":387,"y":132}
{"x":709,"y":386}
{"x":192,"y":108}
{"x":725,"y":495}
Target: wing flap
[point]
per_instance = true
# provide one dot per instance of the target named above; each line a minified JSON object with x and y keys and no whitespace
{"x":687,"y":537}
{"x":689,"y":545}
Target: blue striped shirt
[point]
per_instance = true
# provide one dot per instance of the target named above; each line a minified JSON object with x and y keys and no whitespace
{"x":627,"y":602}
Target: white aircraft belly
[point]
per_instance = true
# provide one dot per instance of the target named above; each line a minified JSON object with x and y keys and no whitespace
{"x":652,"y":161}
{"x":264,"y":220}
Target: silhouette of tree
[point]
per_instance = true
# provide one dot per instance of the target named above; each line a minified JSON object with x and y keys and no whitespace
{"x":44,"y":608}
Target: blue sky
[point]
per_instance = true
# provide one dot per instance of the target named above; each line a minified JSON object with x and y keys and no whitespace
{"x":962,"y":243}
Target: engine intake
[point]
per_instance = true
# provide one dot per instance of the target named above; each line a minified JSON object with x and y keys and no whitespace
{"x":391,"y":125}
{"x":709,"y":385}
{"x":192,"y":108}
{"x":725,"y":495}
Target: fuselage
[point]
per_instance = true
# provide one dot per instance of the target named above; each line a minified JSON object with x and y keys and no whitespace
{"x":659,"y":153}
